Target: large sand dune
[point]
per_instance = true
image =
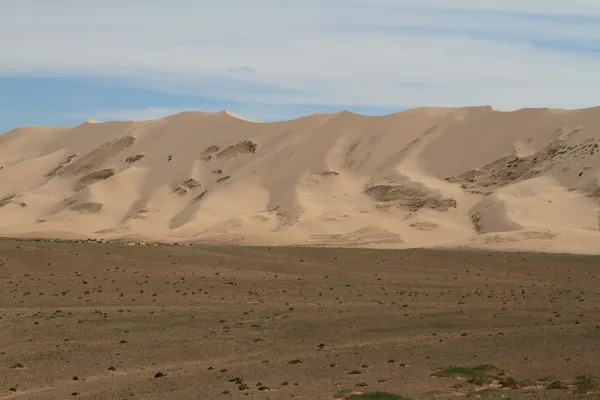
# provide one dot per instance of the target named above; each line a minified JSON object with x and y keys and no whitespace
{"x":429,"y":177}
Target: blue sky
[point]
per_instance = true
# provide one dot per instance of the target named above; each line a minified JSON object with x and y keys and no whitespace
{"x":70,"y":60}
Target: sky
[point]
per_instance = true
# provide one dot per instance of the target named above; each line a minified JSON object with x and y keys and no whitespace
{"x":64,"y":61}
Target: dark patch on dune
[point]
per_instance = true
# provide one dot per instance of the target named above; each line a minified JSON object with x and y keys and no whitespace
{"x":358,"y":152}
{"x":392,"y":192}
{"x":180,"y":190}
{"x":368,"y":235}
{"x":186,"y":213}
{"x":512,"y":168}
{"x":187,"y":185}
{"x":476,"y":220}
{"x":424,"y":226}
{"x":243,"y":147}
{"x":502,"y":172}
{"x":142,"y":213}
{"x":223,"y":179}
{"x":91,"y":208}
{"x":69,"y":202}
{"x":489,"y":215}
{"x":60,"y":166}
{"x":207,"y":154}
{"x":329,"y":173}
{"x":199,"y":197}
{"x":592,"y":190}
{"x":411,"y":196}
{"x":97,"y":157}
{"x":93,"y":177}
{"x":135,"y":158}
{"x":191,"y":184}
{"x":217,"y":171}
{"x":6,"y":200}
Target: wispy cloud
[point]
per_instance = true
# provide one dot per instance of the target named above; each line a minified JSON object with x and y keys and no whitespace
{"x":539,"y":7}
{"x":392,"y":53}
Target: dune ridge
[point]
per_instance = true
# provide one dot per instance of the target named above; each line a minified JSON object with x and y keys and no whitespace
{"x":424,"y":177}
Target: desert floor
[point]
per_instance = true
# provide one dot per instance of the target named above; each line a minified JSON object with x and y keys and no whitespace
{"x":100,"y":321}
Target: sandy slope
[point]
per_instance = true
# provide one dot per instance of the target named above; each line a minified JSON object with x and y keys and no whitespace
{"x":419,"y":178}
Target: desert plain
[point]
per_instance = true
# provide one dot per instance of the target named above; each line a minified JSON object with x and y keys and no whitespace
{"x":114,"y":321}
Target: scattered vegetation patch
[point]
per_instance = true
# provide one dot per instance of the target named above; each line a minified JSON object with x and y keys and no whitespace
{"x":424,"y":226}
{"x":330,"y":173}
{"x":479,"y":375}
{"x":17,"y":366}
{"x":93,"y":177}
{"x":354,"y":395}
{"x":592,"y":190}
{"x":200,"y":196}
{"x":90,"y":161}
{"x":6,"y":200}
{"x":191,"y":184}
{"x":187,"y":185}
{"x":489,"y":392}
{"x":587,"y":384}
{"x":55,"y":171}
{"x":346,"y":393}
{"x":132,"y":159}
{"x":489,"y":381}
{"x":476,"y":220}
{"x":181,"y":191}
{"x":411,"y":196}
{"x":436,"y":393}
{"x":557,"y":385}
{"x":91,"y":208}
{"x":514,"y":168}
{"x":243,"y":147}
{"x":207,"y":154}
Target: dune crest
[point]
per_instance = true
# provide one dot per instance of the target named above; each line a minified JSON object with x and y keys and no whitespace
{"x":425,"y":177}
{"x":240,"y":117}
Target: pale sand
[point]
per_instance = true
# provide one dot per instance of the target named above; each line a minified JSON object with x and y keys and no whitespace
{"x":428,"y":177}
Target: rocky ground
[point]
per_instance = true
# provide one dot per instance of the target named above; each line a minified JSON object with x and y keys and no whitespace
{"x":108,"y":321}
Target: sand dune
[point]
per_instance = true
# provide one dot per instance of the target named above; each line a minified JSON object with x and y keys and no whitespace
{"x":427,"y":177}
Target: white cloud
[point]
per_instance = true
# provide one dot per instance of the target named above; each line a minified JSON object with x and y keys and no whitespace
{"x":571,"y":7}
{"x":375,"y":52}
